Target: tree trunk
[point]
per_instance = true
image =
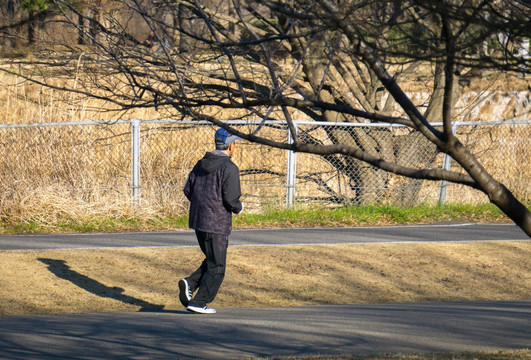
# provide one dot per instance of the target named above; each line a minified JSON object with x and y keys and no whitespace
{"x":413,"y":149}
{"x":94,"y":24}
{"x":11,"y":13}
{"x":31,"y":27}
{"x":81,"y":31}
{"x":498,"y":194}
{"x":514,"y":209}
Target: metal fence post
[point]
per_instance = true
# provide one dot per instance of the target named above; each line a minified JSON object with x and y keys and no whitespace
{"x":447,"y":162}
{"x":135,"y":158}
{"x":292,"y":171}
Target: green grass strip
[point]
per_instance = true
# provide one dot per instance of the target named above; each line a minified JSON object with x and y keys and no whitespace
{"x":298,"y":216}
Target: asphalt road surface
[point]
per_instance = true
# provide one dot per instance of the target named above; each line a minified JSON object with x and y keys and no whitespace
{"x":295,"y":236}
{"x":241,"y":333}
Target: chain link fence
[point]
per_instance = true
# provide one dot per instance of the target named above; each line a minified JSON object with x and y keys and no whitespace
{"x":90,"y":168}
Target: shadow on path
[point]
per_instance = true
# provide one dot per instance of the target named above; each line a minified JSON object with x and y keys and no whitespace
{"x":63,"y":271}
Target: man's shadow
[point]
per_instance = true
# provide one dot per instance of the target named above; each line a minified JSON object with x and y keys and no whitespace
{"x":60,"y":269}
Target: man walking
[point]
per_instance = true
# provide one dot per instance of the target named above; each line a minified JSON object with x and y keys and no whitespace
{"x":213,"y":188}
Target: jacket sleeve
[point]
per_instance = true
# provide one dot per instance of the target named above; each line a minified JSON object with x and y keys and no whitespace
{"x":231,"y":190}
{"x":187,"y":189}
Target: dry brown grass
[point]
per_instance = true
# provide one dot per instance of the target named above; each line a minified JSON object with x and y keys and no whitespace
{"x":55,"y":175}
{"x":523,"y":354}
{"x":66,"y":281}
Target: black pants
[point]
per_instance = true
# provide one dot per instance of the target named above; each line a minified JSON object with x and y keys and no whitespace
{"x":208,"y":277}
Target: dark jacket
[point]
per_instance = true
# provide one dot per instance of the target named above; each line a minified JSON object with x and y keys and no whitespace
{"x":213,"y":188}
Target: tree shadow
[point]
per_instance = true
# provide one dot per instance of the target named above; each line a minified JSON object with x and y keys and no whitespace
{"x":63,"y":271}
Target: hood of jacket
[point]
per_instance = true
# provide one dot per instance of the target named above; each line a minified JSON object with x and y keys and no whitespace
{"x":212,"y":160}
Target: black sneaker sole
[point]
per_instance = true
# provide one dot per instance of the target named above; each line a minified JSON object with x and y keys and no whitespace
{"x":183,"y":290}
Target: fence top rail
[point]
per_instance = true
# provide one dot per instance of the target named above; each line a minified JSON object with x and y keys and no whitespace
{"x":66,"y":123}
{"x":455,"y":123}
{"x":254,"y":122}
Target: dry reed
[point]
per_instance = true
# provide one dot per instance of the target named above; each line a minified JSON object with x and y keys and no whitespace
{"x":78,"y":173}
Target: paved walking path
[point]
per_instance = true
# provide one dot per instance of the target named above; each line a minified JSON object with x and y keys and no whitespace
{"x":240,"y":333}
{"x":235,"y":333}
{"x":461,"y":232}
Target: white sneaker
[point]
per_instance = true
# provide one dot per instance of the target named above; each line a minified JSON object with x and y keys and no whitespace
{"x":201,"y":310}
{"x":185,"y":295}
